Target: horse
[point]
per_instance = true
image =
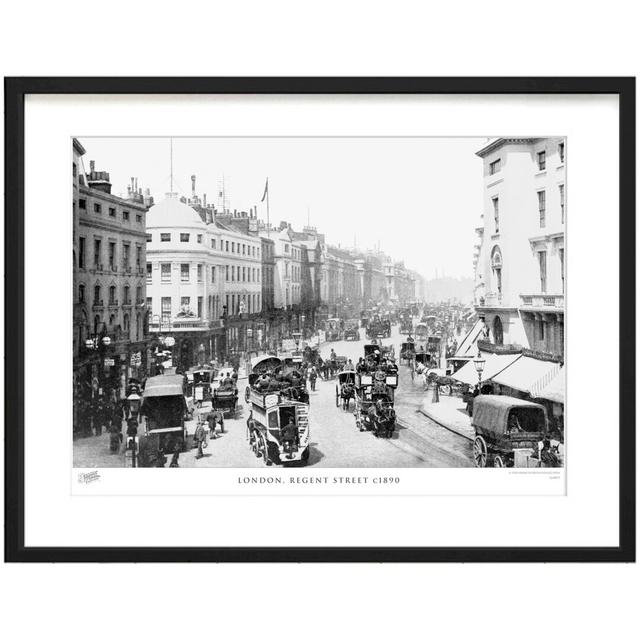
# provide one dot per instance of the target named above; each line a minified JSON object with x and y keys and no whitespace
{"x":385,"y":422}
{"x":346,"y":393}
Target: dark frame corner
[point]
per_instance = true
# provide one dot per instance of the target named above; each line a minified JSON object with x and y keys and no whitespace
{"x":15,"y":91}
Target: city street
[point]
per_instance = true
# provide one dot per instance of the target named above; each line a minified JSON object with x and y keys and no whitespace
{"x":335,"y":440}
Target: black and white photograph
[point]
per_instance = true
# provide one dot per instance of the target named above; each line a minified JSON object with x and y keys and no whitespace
{"x":319,"y":302}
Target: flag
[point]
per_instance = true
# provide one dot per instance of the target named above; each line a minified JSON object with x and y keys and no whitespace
{"x":266,"y":190}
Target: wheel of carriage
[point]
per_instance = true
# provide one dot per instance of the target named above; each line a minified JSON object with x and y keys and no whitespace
{"x":247,"y":391}
{"x":480,"y":452}
{"x":498,"y":461}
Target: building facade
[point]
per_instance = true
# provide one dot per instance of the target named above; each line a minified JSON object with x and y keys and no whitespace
{"x":110,"y":329}
{"x":519,"y":258}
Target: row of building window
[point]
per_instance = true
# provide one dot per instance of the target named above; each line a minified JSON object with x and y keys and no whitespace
{"x":111,"y":255}
{"x":232,"y":273}
{"x":112,"y":292}
{"x":226,"y":245}
{"x":542,"y":208}
{"x":496,"y":165}
{"x":496,"y":267}
{"x":97,"y":208}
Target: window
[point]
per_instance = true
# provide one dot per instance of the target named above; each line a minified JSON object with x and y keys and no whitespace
{"x":494,"y":167}
{"x":138,"y":295}
{"x":96,"y":295}
{"x":138,"y":257}
{"x":561,"y":152}
{"x":81,"y":292}
{"x":226,"y":273}
{"x":165,"y":272}
{"x":244,"y":247}
{"x":561,"y":256}
{"x":286,"y":248}
{"x":540,"y":324}
{"x":112,"y":212}
{"x":125,"y":215}
{"x":165,"y":237}
{"x":199,"y":306}
{"x":542,"y":261}
{"x":75,"y":170}
{"x":233,"y":273}
{"x":149,"y":275}
{"x":112,"y":256}
{"x":496,"y":267}
{"x":542,"y":160}
{"x":199,"y":273}
{"x":127,"y":295}
{"x":542,"y":208}
{"x":138,"y":218}
{"x":185,"y":302}
{"x":199,"y":238}
{"x":149,"y":237}
{"x":226,"y":246}
{"x":97,"y":249}
{"x":97,"y":207}
{"x":496,"y":213}
{"x":165,"y":306}
{"x":561,"y":188}
{"x":82,"y":203}
{"x":148,"y":303}
{"x":81,"y":252}
{"x":184,"y":273}
{"x":184,"y":237}
{"x":213,"y":243}
{"x":126,"y":262}
{"x":233,"y":247}
{"x":213,"y":274}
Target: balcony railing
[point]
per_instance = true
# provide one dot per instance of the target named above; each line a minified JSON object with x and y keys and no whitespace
{"x":542,"y":300}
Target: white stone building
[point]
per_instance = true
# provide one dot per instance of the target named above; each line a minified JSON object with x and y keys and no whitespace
{"x":520,"y":257}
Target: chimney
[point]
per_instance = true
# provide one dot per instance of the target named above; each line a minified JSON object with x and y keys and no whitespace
{"x":204,"y":200}
{"x":136,"y":189}
{"x":132,"y":184}
{"x":193,"y":186}
{"x":92,"y":165}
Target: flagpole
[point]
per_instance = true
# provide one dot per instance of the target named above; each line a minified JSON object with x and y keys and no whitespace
{"x":268,"y":225}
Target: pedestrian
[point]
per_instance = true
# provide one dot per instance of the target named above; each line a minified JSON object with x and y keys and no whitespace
{"x":313,"y":376}
{"x":215,"y":417}
{"x":173,"y":446}
{"x":115,"y":434}
{"x":200,"y":438}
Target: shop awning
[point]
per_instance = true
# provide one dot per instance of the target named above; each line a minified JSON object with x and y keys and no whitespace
{"x":554,"y":391}
{"x":528,"y":374}
{"x":468,"y":346}
{"x":494,"y":364}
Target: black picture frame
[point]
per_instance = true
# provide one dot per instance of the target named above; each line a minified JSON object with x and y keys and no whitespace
{"x":15,"y":91}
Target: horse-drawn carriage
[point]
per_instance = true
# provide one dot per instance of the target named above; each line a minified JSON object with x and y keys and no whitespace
{"x":407,"y":352}
{"x":379,"y":328}
{"x":374,"y":395}
{"x":345,"y":389}
{"x":510,"y":433}
{"x":278,"y":428}
{"x":351,"y":331}
{"x":225,"y":399}
{"x":200,"y":381}
{"x":333,"y":329}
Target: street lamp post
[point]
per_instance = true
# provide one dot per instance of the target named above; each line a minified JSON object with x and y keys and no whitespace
{"x":99,"y":342}
{"x":478,"y":363}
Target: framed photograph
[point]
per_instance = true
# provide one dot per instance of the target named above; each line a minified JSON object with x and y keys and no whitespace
{"x":320,"y":319}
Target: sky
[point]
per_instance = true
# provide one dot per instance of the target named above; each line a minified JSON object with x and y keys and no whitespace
{"x":419,"y":198}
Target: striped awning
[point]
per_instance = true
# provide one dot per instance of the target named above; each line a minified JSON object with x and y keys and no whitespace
{"x":494,"y":364}
{"x":528,"y":374}
{"x":554,"y":391}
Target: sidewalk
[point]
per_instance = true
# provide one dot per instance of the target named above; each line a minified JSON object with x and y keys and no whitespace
{"x":449,"y":413}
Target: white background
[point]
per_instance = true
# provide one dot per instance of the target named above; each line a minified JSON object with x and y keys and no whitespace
{"x":332,"y":39}
{"x":54,"y":517}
